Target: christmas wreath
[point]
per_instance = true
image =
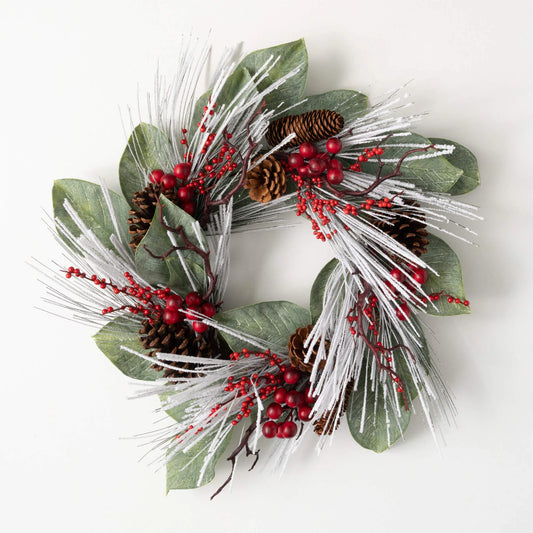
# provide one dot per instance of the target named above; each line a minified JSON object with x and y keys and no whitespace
{"x":149,"y":267}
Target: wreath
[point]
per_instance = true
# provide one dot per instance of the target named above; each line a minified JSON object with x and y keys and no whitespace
{"x":149,"y":267}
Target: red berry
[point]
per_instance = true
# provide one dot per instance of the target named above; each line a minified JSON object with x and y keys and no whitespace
{"x":403,"y":312}
{"x":335,"y":163}
{"x":308,"y":150}
{"x":199,"y":327}
{"x":193,"y":299}
{"x":188,"y":207}
{"x":208,"y":309}
{"x":270,"y":429}
{"x":280,"y":432}
{"x":280,"y":395}
{"x":303,"y":171}
{"x":304,"y":413}
{"x":185,"y":194}
{"x":191,"y":313}
{"x":174,"y":302}
{"x":168,"y":181}
{"x":171,"y":316}
{"x":317,"y":166}
{"x":182,"y":170}
{"x":398,"y":275}
{"x":294,"y":398}
{"x":289,"y":429}
{"x":309,"y":398}
{"x":291,"y":376}
{"x":274,"y":410}
{"x":419,"y":275}
{"x":334,"y":145}
{"x":156,"y":175}
{"x":335,"y":176}
{"x":391,"y":287}
{"x":295,"y":160}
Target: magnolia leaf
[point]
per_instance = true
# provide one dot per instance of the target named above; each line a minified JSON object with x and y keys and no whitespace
{"x":148,"y":148}
{"x":318,"y":288}
{"x":374,"y":421}
{"x":432,"y":174}
{"x":273,"y":322}
{"x":89,"y":203}
{"x":170,"y":272}
{"x":122,"y":332}
{"x":449,"y":281}
{"x":289,"y":56}
{"x":350,"y":104}
{"x":184,"y":468}
{"x":234,"y":84}
{"x":464,"y":159}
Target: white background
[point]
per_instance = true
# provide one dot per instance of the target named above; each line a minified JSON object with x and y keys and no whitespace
{"x":67,"y":67}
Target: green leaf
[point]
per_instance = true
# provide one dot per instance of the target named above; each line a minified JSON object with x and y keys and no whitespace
{"x":122,"y":332}
{"x":464,"y":159}
{"x":148,"y":148}
{"x":450,"y":280}
{"x":434,"y":174}
{"x":234,"y":84}
{"x":273,"y":322}
{"x":318,"y":288}
{"x":89,"y":203}
{"x":183,"y":470}
{"x":350,"y":104}
{"x":291,"y":55}
{"x":170,"y":272}
{"x":382,"y":427}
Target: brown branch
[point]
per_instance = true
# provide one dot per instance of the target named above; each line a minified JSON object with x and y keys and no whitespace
{"x":380,"y":179}
{"x":243,"y":445}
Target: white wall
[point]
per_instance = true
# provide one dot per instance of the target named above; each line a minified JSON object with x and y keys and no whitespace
{"x":64,"y":466}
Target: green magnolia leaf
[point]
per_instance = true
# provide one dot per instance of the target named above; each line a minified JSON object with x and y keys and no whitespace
{"x":433,"y":174}
{"x":464,"y":159}
{"x":89,"y":203}
{"x":350,"y":104}
{"x":122,"y":332}
{"x":382,"y":426}
{"x":170,"y":272}
{"x":450,"y":279}
{"x":183,"y":470}
{"x":148,"y":148}
{"x":234,"y":84}
{"x":318,"y":288}
{"x":273,"y":322}
{"x":291,"y":55}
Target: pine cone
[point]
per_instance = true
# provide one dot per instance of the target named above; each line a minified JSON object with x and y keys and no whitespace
{"x":411,"y":233}
{"x":327,"y":425}
{"x":266,"y":181}
{"x":141,"y":216}
{"x":177,"y":338}
{"x":309,"y":127}
{"x":297,"y":351}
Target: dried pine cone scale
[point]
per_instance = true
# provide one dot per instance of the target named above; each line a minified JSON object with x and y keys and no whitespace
{"x":409,"y":232}
{"x":141,"y":215}
{"x":297,"y":352}
{"x":266,"y":181}
{"x":309,"y":127}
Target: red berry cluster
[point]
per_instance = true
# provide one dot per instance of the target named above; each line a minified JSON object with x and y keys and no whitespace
{"x":365,"y":156}
{"x":176,"y":310}
{"x":170,"y":181}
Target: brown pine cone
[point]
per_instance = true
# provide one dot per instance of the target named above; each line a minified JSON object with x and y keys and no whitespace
{"x":141,"y":216}
{"x":309,"y":127}
{"x":177,"y":338}
{"x":325,"y":424}
{"x":266,"y":181}
{"x":297,"y":351}
{"x":411,"y":233}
